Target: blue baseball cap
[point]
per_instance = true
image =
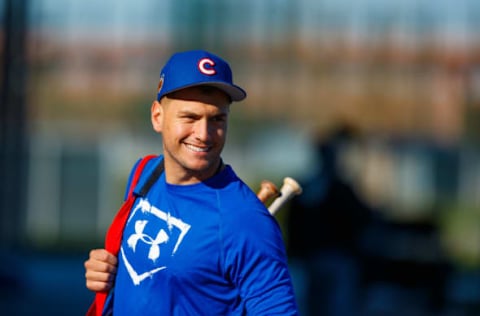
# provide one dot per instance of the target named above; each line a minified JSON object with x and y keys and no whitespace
{"x":196,"y":68}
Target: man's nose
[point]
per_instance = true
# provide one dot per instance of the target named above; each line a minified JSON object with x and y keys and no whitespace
{"x":202,"y":130}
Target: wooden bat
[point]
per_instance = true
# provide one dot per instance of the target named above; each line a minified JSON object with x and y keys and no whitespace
{"x":268,"y":190}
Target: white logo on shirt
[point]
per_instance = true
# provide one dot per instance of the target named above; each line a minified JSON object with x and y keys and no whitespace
{"x":162,"y":236}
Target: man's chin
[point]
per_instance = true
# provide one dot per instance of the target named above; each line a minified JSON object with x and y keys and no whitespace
{"x":203,"y":168}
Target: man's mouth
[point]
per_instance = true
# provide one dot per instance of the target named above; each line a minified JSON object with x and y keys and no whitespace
{"x":196,"y":148}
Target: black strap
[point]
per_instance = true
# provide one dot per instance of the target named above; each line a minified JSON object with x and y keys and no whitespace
{"x":152,"y":178}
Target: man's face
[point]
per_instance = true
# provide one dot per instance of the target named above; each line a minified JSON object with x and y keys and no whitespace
{"x":193,"y":123}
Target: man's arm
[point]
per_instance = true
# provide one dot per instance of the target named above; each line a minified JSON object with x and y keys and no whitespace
{"x":256,"y":262}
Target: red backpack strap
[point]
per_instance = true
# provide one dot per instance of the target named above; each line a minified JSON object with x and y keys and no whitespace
{"x":113,"y":238}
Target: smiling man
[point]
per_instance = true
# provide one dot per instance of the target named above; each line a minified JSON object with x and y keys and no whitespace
{"x":193,"y":122}
{"x":199,"y":242}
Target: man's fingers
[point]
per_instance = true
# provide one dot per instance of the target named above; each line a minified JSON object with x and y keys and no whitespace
{"x":100,"y":266}
{"x":96,"y":276}
{"x":99,"y":281}
{"x":100,"y":270}
{"x":104,"y":256}
{"x":97,"y":286}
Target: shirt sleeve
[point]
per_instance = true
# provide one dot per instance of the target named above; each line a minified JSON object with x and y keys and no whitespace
{"x":257,"y":264}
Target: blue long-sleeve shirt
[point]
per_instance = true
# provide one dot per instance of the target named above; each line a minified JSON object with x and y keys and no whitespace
{"x":209,"y":248}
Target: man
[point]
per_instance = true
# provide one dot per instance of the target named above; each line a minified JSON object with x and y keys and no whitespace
{"x":200,"y":242}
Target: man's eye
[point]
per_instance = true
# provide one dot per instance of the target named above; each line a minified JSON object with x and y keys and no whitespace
{"x":188,"y":118}
{"x":219,"y":119}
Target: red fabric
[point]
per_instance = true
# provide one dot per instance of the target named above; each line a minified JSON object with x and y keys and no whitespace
{"x":114,"y":234}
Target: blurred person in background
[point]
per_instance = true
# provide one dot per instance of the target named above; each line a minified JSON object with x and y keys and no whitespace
{"x":324,"y":227}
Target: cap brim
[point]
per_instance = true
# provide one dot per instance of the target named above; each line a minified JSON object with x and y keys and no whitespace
{"x":234,"y":92}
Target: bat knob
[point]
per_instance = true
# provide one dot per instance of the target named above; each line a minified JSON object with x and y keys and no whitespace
{"x":267,"y":191}
{"x":289,"y":189}
{"x":292,"y":186}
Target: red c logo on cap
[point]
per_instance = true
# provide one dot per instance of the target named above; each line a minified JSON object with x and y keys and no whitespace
{"x":209,"y":70}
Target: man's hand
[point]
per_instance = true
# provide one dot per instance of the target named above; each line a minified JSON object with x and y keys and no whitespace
{"x":101,"y":268}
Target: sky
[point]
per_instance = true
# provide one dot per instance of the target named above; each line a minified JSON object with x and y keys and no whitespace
{"x":154,"y":18}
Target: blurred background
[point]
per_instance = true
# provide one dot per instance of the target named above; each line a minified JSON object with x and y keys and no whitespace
{"x":372,"y":105}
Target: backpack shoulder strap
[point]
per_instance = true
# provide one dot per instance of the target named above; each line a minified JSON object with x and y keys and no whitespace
{"x":114,"y":234}
{"x":152,"y":178}
{"x":138,"y":172}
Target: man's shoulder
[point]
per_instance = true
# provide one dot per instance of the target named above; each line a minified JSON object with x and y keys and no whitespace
{"x":240,"y":206}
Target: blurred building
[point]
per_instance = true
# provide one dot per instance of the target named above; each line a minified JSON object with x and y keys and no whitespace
{"x":399,"y":70}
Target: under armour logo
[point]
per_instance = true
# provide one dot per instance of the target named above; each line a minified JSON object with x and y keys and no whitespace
{"x":154,"y":243}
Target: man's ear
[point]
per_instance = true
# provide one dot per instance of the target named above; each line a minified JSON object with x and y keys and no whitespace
{"x":156,"y":116}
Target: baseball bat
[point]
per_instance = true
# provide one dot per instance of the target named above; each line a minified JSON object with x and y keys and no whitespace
{"x":268,"y":190}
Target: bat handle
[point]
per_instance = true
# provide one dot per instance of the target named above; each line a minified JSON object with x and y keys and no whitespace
{"x":289,"y":189}
{"x":268,"y":190}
